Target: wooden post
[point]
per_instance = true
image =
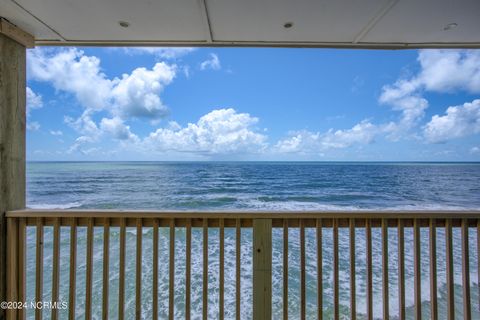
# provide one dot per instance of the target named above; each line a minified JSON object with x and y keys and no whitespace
{"x":262,"y":269}
{"x":12,"y":140}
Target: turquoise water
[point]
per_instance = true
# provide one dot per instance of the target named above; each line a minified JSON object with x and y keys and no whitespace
{"x":252,"y":186}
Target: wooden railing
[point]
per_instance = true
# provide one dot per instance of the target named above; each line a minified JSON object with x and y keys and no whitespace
{"x":22,"y":223}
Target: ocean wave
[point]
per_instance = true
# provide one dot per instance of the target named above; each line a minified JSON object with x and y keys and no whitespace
{"x":62,"y":206}
{"x":261,"y":204}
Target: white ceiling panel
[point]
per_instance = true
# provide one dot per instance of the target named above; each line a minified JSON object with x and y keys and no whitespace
{"x":150,"y":20}
{"x":313,"y":20}
{"x":16,"y":15}
{"x":322,"y":23}
{"x":414,"y":21}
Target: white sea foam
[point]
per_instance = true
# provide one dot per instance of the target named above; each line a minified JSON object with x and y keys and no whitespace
{"x":49,"y":206}
{"x":255,"y":204}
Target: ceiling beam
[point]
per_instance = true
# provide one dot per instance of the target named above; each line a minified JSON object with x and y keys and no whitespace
{"x":13,"y":32}
{"x":261,"y":44}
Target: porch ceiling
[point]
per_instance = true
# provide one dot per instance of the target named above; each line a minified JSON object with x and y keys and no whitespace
{"x":323,"y":23}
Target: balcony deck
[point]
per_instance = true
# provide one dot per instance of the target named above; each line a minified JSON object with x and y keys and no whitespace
{"x":325,"y":226}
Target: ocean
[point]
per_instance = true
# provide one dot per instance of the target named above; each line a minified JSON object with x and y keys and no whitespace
{"x":286,"y":186}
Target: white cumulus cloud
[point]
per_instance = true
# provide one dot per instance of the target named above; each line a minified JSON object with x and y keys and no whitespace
{"x":33,"y":126}
{"x":222,"y":131}
{"x":316,"y":142}
{"x":73,"y":72}
{"x":118,"y":129}
{"x":440,"y":71}
{"x":138,"y":94}
{"x":458,"y":121}
{"x":134,"y":95}
{"x":84,"y":124}
{"x":34,"y":101}
{"x":448,"y":70}
{"x":403,"y":96}
{"x":56,"y":133}
{"x":212,"y":63}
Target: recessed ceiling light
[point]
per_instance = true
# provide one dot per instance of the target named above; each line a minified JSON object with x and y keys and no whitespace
{"x":288,"y":25}
{"x":450,"y":26}
{"x":124,"y":24}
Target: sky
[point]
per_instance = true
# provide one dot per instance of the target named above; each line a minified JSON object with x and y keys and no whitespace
{"x":265,"y":104}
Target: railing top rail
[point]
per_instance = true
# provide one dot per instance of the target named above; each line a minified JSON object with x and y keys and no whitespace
{"x":246,"y":214}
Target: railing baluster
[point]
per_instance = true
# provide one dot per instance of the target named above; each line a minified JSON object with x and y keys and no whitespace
{"x":319,"y":270}
{"x":386,"y":314}
{"x":302,"y":271}
{"x":121,"y":276}
{"x":353,"y":313}
{"x":171,"y":286}
{"x":12,"y":267}
{"x":22,"y":259}
{"x":401,"y":270}
{"x":238,"y":254}
{"x":89,"y":271}
{"x":285,"y":269}
{"x":368,"y":238}
{"x":467,"y":314}
{"x":56,"y":262}
{"x":73,"y":269}
{"x":138,"y":273}
{"x":106,"y":267}
{"x":222,"y":265}
{"x":155,"y":270}
{"x":417,"y":270}
{"x":336,"y":292}
{"x":39,"y":268}
{"x":205,"y":270}
{"x":188,"y":268}
{"x":433,"y":270}
{"x":449,"y":261}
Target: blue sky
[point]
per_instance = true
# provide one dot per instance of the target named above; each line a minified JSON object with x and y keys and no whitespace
{"x":253,"y":104}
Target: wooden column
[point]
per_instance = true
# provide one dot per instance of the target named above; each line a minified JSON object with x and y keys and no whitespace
{"x":262,"y":269}
{"x":12,"y":136}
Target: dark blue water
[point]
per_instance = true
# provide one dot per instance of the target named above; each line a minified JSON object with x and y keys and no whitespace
{"x":253,"y":185}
